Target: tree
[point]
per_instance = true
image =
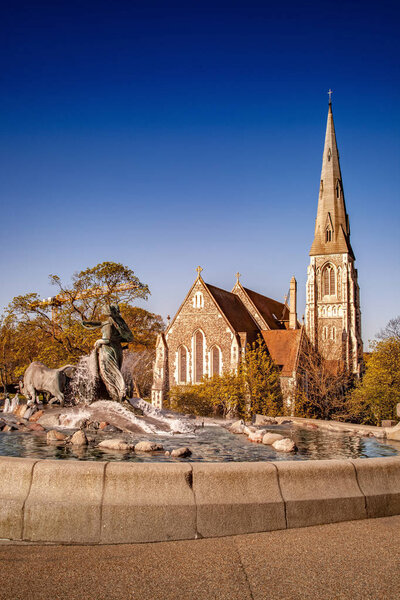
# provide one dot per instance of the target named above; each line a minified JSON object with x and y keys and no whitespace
{"x":376,"y":395}
{"x":261,"y":377}
{"x":31,"y":330}
{"x":392,"y":330}
{"x":323,"y":385}
{"x":137,"y":370}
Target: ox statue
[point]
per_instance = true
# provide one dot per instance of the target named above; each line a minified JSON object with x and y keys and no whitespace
{"x":39,"y":378}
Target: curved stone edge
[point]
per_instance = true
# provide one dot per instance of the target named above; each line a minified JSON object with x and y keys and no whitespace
{"x":83,"y":502}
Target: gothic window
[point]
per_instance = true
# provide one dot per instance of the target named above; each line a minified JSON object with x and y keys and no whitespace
{"x":215,"y":361}
{"x":325,"y":333}
{"x":333,"y":333}
{"x":329,"y":154}
{"x":182,"y":364}
{"x":338,"y":189}
{"x":329,"y":281}
{"x":328,"y":236}
{"x":198,"y":300}
{"x":198,"y":356}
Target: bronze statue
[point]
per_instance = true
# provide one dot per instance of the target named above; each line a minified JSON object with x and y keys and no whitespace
{"x":109,"y":349}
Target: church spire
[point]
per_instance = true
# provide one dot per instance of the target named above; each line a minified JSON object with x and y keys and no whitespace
{"x":332,"y":229}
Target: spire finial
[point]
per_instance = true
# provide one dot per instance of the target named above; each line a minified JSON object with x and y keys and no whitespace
{"x":199,"y":270}
{"x":330,"y":95}
{"x":238,"y":276}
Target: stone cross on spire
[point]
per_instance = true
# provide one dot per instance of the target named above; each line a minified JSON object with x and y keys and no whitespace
{"x":199,"y":270}
{"x":238,"y":276}
{"x":330,"y":95}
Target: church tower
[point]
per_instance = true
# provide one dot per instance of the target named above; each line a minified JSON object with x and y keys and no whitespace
{"x":333,"y":317}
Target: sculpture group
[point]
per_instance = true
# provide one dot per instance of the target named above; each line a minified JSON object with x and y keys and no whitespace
{"x":105,"y":362}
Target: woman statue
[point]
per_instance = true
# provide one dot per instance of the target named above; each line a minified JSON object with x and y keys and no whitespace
{"x":108,"y":351}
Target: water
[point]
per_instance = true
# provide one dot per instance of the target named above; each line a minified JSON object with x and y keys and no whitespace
{"x":209,"y":444}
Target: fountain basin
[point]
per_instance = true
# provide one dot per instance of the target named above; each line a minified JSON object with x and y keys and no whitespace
{"x":107,"y":502}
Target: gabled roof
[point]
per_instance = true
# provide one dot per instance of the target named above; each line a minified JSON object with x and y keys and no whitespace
{"x":271,"y":311}
{"x":283,"y":346}
{"x":233,"y":309}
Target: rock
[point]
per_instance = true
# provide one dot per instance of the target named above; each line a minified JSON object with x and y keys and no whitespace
{"x":388,"y":423}
{"x":148,"y":447}
{"x":270,"y":438}
{"x":116,"y":444}
{"x":167,"y":453}
{"x":55,"y":436}
{"x":392,"y":433}
{"x":285,"y":445}
{"x":285,"y":422}
{"x":20,"y":410}
{"x":111,"y":429}
{"x":103,"y":425}
{"x":35,"y":427}
{"x":181,"y":452}
{"x":264,"y":420}
{"x":237,"y":427}
{"x":256,"y":436}
{"x":10,"y":428}
{"x":79,"y":439}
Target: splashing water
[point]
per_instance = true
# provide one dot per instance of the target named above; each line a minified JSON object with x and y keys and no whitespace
{"x":85,"y":382}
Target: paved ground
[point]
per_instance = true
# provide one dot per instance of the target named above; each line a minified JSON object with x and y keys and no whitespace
{"x":353,"y":560}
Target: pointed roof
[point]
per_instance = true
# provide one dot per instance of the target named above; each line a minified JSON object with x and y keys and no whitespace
{"x":332,"y":228}
{"x":272,"y":311}
{"x":233,"y":309}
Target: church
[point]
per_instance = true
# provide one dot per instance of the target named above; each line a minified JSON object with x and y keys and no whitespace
{"x":213,"y":327}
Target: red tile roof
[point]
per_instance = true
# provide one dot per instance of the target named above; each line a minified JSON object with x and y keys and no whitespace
{"x":233,"y":309}
{"x":283,"y":346}
{"x":272,"y":311}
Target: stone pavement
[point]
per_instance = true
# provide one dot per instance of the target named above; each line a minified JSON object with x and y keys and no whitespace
{"x":352,"y":560}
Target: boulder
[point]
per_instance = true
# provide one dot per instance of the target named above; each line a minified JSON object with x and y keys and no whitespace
{"x":10,"y":428}
{"x":79,"y":439}
{"x":392,"y":433}
{"x":285,"y":445}
{"x":256,"y":436}
{"x":35,"y":427}
{"x":103,"y":424}
{"x":36,"y":416}
{"x":237,"y":427}
{"x":270,"y":438}
{"x":116,"y":444}
{"x":167,"y":453}
{"x":264,"y":420}
{"x":181,"y":452}
{"x":148,"y":447}
{"x":55,"y":436}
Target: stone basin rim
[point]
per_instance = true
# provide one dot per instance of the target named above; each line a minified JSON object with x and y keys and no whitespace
{"x":86,"y":502}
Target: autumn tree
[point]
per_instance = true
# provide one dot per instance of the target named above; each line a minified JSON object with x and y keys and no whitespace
{"x":52,"y":332}
{"x":376,"y":395}
{"x":261,"y":377}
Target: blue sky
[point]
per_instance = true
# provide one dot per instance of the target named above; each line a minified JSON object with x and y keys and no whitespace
{"x":164,"y":135}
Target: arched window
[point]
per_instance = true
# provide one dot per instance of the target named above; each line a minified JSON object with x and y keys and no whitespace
{"x":328,"y":236}
{"x":333,"y":333}
{"x":198,"y":356}
{"x":329,"y":281}
{"x":325,"y":333}
{"x":338,"y":189}
{"x":182,"y":364}
{"x":215,"y":361}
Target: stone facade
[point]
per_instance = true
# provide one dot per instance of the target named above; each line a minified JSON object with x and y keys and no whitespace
{"x":210,"y":334}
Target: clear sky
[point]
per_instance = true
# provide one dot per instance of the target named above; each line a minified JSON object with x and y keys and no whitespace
{"x":166,"y":134}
